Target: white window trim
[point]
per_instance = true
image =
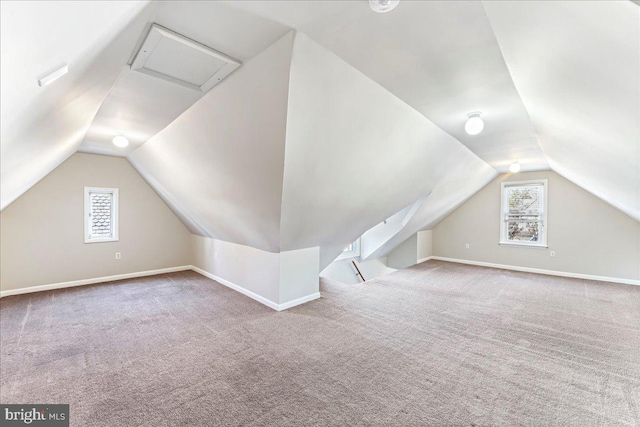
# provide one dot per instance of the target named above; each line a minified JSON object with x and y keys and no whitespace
{"x":542,"y":244}
{"x":114,"y":214}
{"x":351,"y":254}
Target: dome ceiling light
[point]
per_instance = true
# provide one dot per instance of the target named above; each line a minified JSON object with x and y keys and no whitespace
{"x":515,"y":167}
{"x":382,"y":6}
{"x":120,"y":141}
{"x":474,"y":124}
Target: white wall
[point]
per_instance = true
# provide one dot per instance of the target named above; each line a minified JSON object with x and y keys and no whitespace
{"x":299,"y":271}
{"x":425,"y":244}
{"x":250,"y":268}
{"x":588,"y":235}
{"x":43,"y":230}
{"x":405,"y":255}
{"x":413,"y":250}
{"x":274,"y":279}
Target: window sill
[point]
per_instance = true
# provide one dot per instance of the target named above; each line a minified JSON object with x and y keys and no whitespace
{"x":100,"y":240}
{"x":523,"y":245}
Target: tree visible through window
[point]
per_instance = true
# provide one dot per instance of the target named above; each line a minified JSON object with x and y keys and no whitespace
{"x":524,"y":213}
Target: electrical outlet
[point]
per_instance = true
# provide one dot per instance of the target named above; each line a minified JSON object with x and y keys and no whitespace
{"x":118,"y":255}
{"x":552,"y":254}
{"x":216,"y":255}
{"x":466,"y":245}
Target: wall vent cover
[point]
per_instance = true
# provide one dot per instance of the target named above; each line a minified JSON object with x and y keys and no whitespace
{"x":170,"y":56}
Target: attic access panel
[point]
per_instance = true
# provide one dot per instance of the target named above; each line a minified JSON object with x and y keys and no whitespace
{"x":173,"y":57}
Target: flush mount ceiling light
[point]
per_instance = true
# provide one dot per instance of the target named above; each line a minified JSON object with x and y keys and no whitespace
{"x":53,"y":76}
{"x":120,"y":141}
{"x":515,"y":167}
{"x":474,"y":124}
{"x":382,"y":6}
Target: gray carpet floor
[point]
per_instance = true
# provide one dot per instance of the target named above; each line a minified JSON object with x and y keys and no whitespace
{"x":436,"y":344}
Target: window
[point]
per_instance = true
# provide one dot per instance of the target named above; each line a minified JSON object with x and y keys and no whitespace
{"x":351,"y":251}
{"x":100,"y":214}
{"x":523,"y":210}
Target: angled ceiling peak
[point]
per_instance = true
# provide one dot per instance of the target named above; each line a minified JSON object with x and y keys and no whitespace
{"x":576,"y":67}
{"x":298,"y":149}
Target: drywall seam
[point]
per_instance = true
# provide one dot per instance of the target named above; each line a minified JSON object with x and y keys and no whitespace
{"x":539,"y":271}
{"x":95,"y":280}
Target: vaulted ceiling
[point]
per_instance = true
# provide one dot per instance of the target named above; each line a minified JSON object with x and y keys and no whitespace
{"x":339,"y":129}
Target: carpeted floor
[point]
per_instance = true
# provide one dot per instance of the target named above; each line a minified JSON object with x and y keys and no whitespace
{"x":437,"y":344}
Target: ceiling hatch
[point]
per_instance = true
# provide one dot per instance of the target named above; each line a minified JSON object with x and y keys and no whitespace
{"x":170,"y":56}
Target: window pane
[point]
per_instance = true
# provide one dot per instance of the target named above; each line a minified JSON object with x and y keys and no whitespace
{"x":100,"y":219}
{"x":522,"y":230}
{"x":524,"y":200}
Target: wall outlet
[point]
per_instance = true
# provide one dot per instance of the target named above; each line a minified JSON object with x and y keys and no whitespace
{"x":118,"y":255}
{"x":466,"y":245}
{"x":216,"y":255}
{"x":552,"y":254}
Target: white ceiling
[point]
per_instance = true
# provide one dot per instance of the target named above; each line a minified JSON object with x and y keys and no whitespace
{"x":220,"y":165}
{"x":298,"y":149}
{"x":139,"y":106}
{"x":355,"y":155}
{"x":41,"y":127}
{"x":440,"y":57}
{"x":557,"y":83}
{"x":577,"y":68}
{"x":443,"y":60}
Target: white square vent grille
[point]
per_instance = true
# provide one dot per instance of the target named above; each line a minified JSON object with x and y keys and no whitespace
{"x":170,"y":56}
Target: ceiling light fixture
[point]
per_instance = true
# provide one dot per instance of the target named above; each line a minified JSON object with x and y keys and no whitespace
{"x":474,"y":124}
{"x":53,"y":76}
{"x":120,"y":141}
{"x":382,"y":6}
{"x":515,"y":167}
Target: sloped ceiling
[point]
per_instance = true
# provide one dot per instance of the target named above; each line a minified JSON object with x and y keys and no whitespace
{"x":445,"y":78}
{"x":576,"y":66}
{"x":139,"y":105}
{"x":298,"y":149}
{"x":220,"y":164}
{"x":557,"y":83}
{"x":41,"y":127}
{"x":356,"y":154}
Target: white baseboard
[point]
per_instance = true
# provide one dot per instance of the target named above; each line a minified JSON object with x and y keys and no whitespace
{"x":538,"y":271}
{"x":235,"y":287}
{"x":265,"y":301}
{"x":424,"y":259}
{"x":93,"y":281}
{"x":253,"y":295}
{"x":298,"y":301}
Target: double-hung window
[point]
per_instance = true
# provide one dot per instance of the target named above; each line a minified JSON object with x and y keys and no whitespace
{"x":523,"y":217}
{"x":100,"y":214}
